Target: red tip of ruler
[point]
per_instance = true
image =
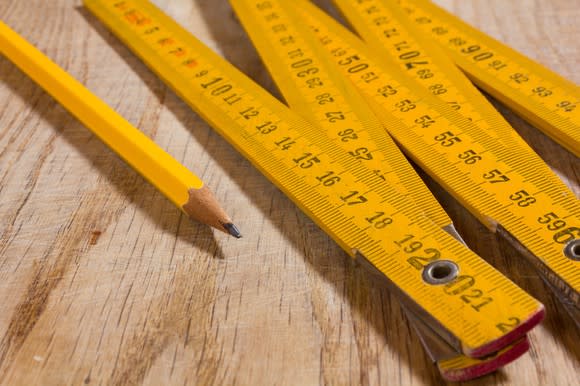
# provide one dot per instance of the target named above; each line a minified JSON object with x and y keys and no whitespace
{"x":487,"y":366}
{"x":510,"y":337}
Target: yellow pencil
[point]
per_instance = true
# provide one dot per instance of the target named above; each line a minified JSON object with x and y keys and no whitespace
{"x":175,"y":181}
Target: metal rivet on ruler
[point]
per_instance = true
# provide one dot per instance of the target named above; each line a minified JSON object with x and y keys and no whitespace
{"x":440,"y":272}
{"x":572,"y":250}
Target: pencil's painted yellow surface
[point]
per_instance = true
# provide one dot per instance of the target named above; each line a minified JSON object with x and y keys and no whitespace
{"x":103,"y":281}
{"x":162,"y":170}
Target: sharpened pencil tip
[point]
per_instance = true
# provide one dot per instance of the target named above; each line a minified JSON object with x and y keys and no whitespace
{"x":233,"y":230}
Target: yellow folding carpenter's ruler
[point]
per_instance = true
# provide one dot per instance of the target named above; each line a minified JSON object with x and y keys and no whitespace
{"x":539,"y":95}
{"x":506,"y":187}
{"x":473,"y":307}
{"x":315,"y":90}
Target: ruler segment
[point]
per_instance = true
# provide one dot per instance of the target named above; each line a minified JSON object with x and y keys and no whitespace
{"x":396,"y":39}
{"x":452,"y":365}
{"x":460,"y":368}
{"x":204,"y":80}
{"x":540,"y":96}
{"x":321,"y":97}
{"x":494,"y":182}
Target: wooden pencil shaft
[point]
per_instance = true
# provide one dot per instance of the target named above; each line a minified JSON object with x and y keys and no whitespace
{"x":162,"y":170}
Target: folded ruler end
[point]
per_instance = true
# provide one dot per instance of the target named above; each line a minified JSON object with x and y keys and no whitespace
{"x":512,"y":336}
{"x":452,"y":373}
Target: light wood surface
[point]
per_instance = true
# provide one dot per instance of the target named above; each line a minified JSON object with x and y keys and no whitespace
{"x":104,"y":281}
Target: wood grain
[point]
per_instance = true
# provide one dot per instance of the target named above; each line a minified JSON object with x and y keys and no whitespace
{"x":103,"y":281}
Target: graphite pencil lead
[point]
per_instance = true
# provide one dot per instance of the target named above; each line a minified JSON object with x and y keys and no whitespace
{"x":233,"y":230}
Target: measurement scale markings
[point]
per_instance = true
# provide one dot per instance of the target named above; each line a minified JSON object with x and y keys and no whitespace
{"x":542,"y":97}
{"x":302,"y":62}
{"x":404,"y":48}
{"x":491,"y":335}
{"x":329,"y":36}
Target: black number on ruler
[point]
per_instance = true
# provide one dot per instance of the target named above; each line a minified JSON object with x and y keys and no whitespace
{"x":372,"y":9}
{"x":469,"y":157}
{"x":463,"y":283}
{"x":347,"y":135}
{"x":437,"y":89}
{"x":447,"y":139}
{"x":266,"y":128}
{"x":264,"y":5}
{"x":381,"y":20}
{"x":387,"y":90}
{"x":419,"y":262}
{"x":470,"y":49}
{"x":482,"y":56}
{"x":454,"y":105}
{"x":328,"y":179}
{"x":286,"y":40}
{"x":314,"y":82}
{"x":358,"y":68}
{"x":279,"y":28}
{"x":408,"y":244}
{"x":523,"y":198}
{"x":301,"y":63}
{"x":409,"y":55}
{"x":369,"y":77}
{"x":362,"y":153}
{"x":285,"y":143}
{"x":271,"y":16}
{"x":495,"y":176}
{"x":542,"y":92}
{"x":556,"y":224}
{"x":389,"y":33}
{"x":497,"y":65}
{"x":459,"y":284}
{"x":405,"y":105}
{"x":439,"y":30}
{"x":339,"y":52}
{"x":221,"y":89}
{"x":476,"y":294}
{"x":567,"y":106}
{"x":306,"y":161}
{"x":211,"y":82}
{"x":297,"y":53}
{"x":425,"y":74}
{"x":306,"y":72}
{"x":379,"y":220}
{"x":324,"y":98}
{"x":231,"y":99}
{"x":508,"y":326}
{"x":353,"y":198}
{"x":519,"y":77}
{"x":402,"y":45}
{"x":348,"y":60}
{"x":249,"y":112}
{"x":334,"y":116}
{"x":457,"y":41}
{"x":567,"y":235}
{"x":425,"y":121}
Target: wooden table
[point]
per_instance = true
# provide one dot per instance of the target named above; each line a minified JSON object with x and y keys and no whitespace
{"x":103,"y":281}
